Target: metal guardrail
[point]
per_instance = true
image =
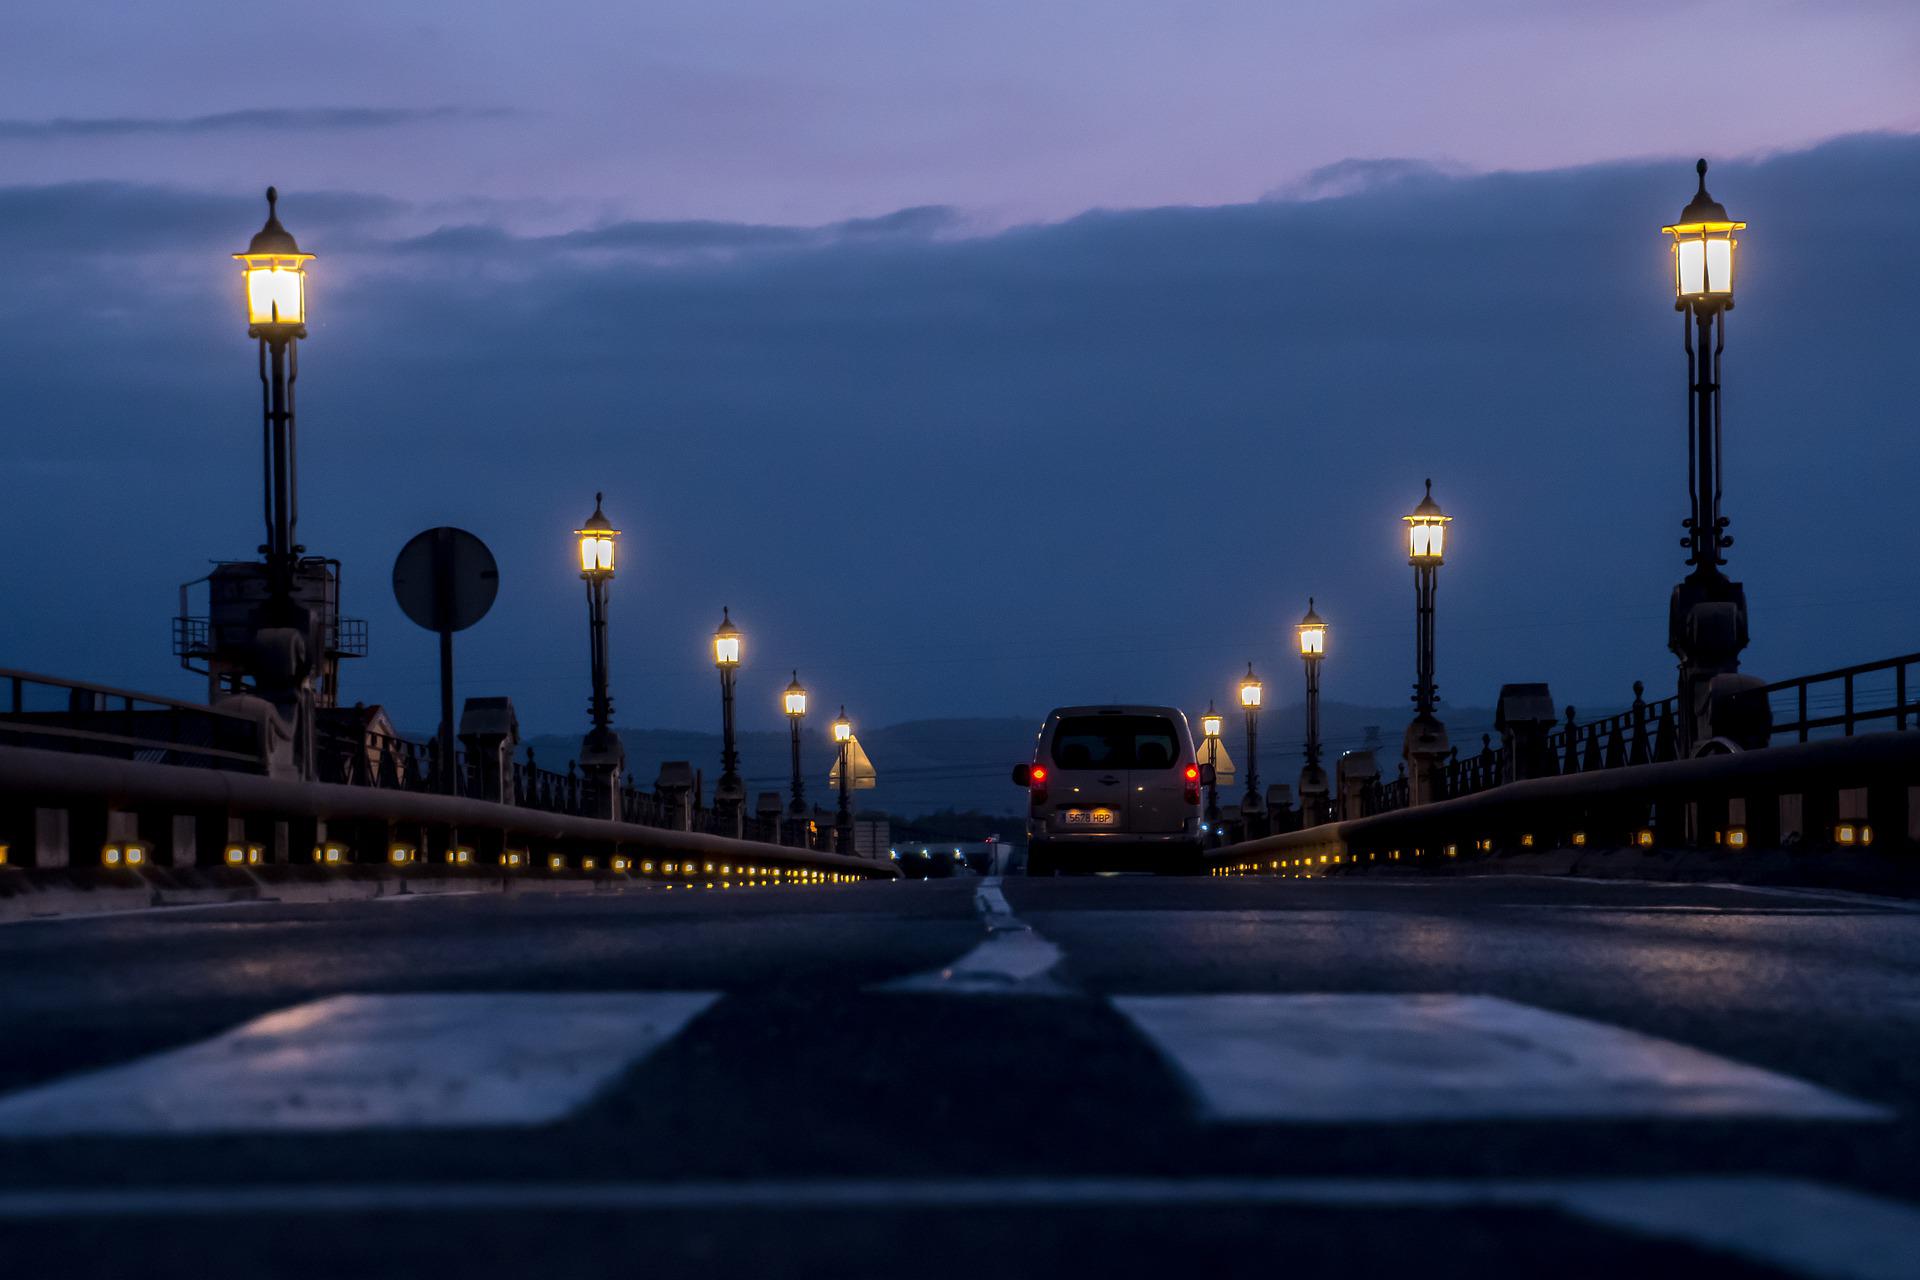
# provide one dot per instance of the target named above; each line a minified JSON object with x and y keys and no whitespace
{"x":1820,"y":795}
{"x":1868,"y":696}
{"x":95,"y":719}
{"x":50,"y":713}
{"x":401,"y":764}
{"x":364,"y":818}
{"x":1835,"y":703}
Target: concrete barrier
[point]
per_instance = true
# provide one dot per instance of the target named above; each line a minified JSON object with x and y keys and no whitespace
{"x":49,"y":894}
{"x":1843,"y":813}
{"x":59,"y":810}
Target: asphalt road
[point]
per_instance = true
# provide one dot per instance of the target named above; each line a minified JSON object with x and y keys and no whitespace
{"x":1103,"y":1077}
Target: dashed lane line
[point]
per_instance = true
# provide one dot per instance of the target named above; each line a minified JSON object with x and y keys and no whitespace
{"x":1014,"y":960}
{"x":369,"y":1062}
{"x":1807,"y":1228}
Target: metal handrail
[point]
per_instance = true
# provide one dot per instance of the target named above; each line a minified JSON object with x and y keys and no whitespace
{"x":142,"y":726}
{"x":1804,"y":720}
{"x":1645,"y":733}
{"x":388,"y":761}
{"x":16,"y":678}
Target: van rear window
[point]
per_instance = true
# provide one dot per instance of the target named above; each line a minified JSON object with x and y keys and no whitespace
{"x":1115,"y":742}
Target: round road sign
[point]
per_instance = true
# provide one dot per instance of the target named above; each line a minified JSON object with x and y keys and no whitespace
{"x":445,"y":579}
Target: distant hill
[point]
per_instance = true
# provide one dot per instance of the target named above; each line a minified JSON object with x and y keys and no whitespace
{"x":926,"y":766}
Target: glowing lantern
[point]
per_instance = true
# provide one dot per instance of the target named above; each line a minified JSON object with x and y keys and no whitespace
{"x":275,"y":275}
{"x":597,"y":537}
{"x":1427,"y":531}
{"x":1703,"y":251}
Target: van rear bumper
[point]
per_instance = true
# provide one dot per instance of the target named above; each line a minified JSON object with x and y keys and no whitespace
{"x":1174,"y":853}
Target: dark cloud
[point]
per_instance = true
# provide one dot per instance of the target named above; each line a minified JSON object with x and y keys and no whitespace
{"x":1355,"y":177}
{"x":104,"y":221}
{"x":680,"y":240}
{"x":264,"y":119}
{"x":955,"y":474}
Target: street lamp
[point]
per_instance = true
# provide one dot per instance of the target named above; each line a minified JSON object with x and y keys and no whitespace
{"x":843,"y":820}
{"x":1210,"y":725}
{"x":601,"y":756}
{"x":729,"y":796}
{"x":794,"y":702}
{"x":274,"y":274}
{"x":1312,"y":634}
{"x":1707,"y":615}
{"x":1250,"y":692}
{"x":1426,"y":739}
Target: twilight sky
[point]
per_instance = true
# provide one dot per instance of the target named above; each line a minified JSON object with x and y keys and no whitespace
{"x":980,"y":357}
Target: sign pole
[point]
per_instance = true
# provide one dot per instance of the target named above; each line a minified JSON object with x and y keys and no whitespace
{"x":446,"y":711}
{"x":443,"y":607}
{"x":445,"y":580}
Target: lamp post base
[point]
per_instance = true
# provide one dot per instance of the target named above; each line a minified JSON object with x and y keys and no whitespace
{"x":1706,"y":630}
{"x":1313,"y":796}
{"x":1425,"y":750}
{"x":603,"y":761}
{"x":729,"y":804}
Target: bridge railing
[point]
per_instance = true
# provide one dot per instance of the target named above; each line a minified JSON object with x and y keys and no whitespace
{"x":373,"y":759}
{"x":95,"y":719}
{"x":1876,"y":696}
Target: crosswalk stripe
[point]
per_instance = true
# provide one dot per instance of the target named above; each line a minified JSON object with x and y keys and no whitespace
{"x":1803,"y":1227}
{"x":1346,"y":1058}
{"x":370,"y":1062}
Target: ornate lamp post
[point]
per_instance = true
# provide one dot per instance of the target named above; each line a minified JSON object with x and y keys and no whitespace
{"x":1312,"y":633}
{"x":602,"y":758}
{"x":275,"y":275}
{"x":730,"y":794}
{"x":1425,"y":744}
{"x":794,"y":702}
{"x":1210,"y":725}
{"x":1250,"y":692}
{"x":274,"y":279}
{"x":1707,"y":615}
{"x":843,"y":820}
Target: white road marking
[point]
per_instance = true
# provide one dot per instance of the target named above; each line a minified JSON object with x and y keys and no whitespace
{"x":370,"y":1062}
{"x":1805,"y":1227}
{"x":1014,"y":960}
{"x":1860,"y":900}
{"x":62,"y":917}
{"x":991,"y":903}
{"x":1321,"y":1059}
{"x":1769,"y":890}
{"x":404,"y":895}
{"x":1672,"y":909}
{"x":1824,"y":895}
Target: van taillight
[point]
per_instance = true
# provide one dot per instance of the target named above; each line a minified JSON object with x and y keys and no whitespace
{"x":1037,"y":786}
{"x":1192,"y":777}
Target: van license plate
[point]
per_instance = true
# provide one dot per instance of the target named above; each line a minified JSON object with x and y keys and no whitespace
{"x":1089,"y":817}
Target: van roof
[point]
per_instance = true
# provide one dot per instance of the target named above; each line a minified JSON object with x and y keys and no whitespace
{"x":1121,"y":709}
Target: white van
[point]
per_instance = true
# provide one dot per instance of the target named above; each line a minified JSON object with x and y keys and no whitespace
{"x":1113,"y":789}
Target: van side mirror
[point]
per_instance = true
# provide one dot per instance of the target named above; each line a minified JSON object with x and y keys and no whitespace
{"x":1206,"y":775}
{"x":1023,"y":775}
